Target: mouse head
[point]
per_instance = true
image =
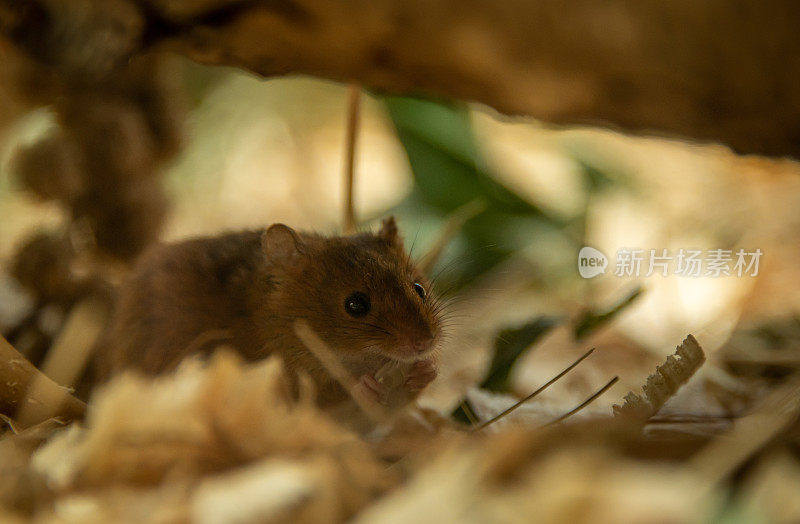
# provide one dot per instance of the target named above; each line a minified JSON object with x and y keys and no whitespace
{"x":361,"y":293}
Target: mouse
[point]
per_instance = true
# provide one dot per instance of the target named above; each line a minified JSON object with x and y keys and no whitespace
{"x":362,"y":294}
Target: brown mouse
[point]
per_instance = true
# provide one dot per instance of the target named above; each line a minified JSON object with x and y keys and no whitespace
{"x":361,"y":294}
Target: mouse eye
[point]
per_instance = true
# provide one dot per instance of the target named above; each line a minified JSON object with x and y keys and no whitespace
{"x":420,"y":290}
{"x":357,"y":305}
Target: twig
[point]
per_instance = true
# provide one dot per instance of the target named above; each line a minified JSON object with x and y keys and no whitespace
{"x":353,"y":96}
{"x":755,"y":357}
{"x":30,"y":393}
{"x":679,"y":418}
{"x":545,"y":386}
{"x":454,"y":223}
{"x":337,"y":371}
{"x":584,"y":403}
{"x":71,"y":350}
{"x":467,"y":409}
{"x":12,"y":425}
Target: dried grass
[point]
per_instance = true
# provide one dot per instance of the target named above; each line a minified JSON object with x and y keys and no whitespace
{"x":226,"y":441}
{"x":222,"y":438}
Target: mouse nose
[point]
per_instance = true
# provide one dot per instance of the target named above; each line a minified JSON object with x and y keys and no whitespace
{"x":420,"y":346}
{"x":420,"y":342}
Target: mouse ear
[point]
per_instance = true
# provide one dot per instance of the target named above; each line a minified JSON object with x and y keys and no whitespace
{"x":389,"y":232}
{"x":281,"y":243}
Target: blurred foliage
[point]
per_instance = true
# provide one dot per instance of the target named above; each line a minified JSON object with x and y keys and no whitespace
{"x":199,"y":80}
{"x":509,"y":345}
{"x":447,"y":166}
{"x":449,"y":172}
{"x":598,"y":179}
{"x":592,"y":320}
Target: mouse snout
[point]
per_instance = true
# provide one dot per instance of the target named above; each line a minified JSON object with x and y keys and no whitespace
{"x":420,"y":346}
{"x":419,"y":342}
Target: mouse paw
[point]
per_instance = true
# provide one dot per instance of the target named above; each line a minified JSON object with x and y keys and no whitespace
{"x":421,"y":374}
{"x":371,"y":388}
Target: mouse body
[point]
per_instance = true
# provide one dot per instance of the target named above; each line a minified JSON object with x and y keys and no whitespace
{"x":361,"y":294}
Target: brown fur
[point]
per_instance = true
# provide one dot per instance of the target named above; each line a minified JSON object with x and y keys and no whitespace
{"x":247,"y":289}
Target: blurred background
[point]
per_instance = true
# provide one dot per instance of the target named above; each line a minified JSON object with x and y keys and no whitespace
{"x":234,"y":151}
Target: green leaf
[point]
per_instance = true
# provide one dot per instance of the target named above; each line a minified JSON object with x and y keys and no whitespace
{"x":509,"y":345}
{"x":444,"y":157}
{"x":591,"y":320}
{"x":449,"y":172}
